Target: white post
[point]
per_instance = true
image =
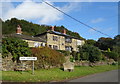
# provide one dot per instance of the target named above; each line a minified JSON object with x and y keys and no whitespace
{"x":22,"y":68}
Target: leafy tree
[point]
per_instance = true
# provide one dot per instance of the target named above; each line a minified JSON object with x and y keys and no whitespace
{"x":78,"y":56}
{"x":105,"y":43}
{"x":16,"y":47}
{"x":91,"y":42}
{"x":112,"y":55}
{"x":90,"y":53}
{"x":117,"y":40}
{"x":29,"y":28}
{"x":74,"y":54}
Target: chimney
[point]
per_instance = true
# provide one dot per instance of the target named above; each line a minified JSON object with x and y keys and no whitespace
{"x":19,"y":30}
{"x":52,"y":28}
{"x":64,"y":31}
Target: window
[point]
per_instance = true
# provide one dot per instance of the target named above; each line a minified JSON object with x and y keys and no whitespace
{"x":79,"y":42}
{"x":68,"y":48}
{"x":55,"y":47}
{"x":68,"y":40}
{"x":36,"y":44}
{"x":55,"y":38}
{"x":50,"y":46}
{"x":42,"y":44}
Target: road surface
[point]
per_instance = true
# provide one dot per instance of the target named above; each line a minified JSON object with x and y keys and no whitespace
{"x":110,"y":76}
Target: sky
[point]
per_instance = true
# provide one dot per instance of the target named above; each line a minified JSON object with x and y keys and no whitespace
{"x":102,"y":16}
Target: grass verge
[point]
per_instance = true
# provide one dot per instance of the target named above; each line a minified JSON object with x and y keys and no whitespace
{"x":55,"y":74}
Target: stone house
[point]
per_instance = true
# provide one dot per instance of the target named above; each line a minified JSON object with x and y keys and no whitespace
{"x":52,"y":39}
{"x":61,"y":41}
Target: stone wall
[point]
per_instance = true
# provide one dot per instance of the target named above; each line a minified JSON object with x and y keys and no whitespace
{"x":9,"y":65}
{"x":87,"y":63}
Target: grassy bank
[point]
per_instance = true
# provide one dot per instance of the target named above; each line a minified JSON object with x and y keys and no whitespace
{"x":53,"y":74}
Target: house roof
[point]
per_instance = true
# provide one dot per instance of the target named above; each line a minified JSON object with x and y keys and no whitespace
{"x":26,"y":37}
{"x":57,"y":33}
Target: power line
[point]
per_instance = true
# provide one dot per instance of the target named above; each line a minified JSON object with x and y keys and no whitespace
{"x":76,"y":19}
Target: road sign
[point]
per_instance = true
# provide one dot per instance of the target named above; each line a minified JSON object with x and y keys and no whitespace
{"x":28,"y":58}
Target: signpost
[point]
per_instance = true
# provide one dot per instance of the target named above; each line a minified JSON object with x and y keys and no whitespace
{"x":29,"y":58}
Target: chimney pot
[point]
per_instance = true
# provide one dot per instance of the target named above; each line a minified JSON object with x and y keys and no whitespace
{"x":19,"y":30}
{"x":52,"y":28}
{"x":64,"y":31}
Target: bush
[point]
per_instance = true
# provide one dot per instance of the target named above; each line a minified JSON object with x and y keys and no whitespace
{"x":16,"y":47}
{"x":114,"y":63}
{"x":112,"y":55}
{"x":90,"y":53}
{"x":47,"y":57}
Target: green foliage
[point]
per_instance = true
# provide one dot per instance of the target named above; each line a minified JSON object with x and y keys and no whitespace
{"x":117,"y":50}
{"x":109,"y":50}
{"x":112,"y":55}
{"x":105,"y":43}
{"x":90,"y":53}
{"x":28,"y":28}
{"x":4,"y":51}
{"x":90,"y":42}
{"x":72,"y":59}
{"x":111,"y":46}
{"x":74,"y":54}
{"x":47,"y":57}
{"x":117,"y":40}
{"x":16,"y":47}
{"x":78,"y":56}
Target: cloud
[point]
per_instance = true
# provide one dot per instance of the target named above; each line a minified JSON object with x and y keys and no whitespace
{"x":97,"y":20}
{"x":71,"y":6}
{"x":30,"y":10}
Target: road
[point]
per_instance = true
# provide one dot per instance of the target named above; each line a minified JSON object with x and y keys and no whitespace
{"x":110,"y":76}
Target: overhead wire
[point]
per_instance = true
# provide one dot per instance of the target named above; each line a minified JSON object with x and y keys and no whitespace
{"x":76,"y":19}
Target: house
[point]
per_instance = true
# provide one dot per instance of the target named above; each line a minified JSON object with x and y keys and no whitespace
{"x":52,"y":39}
{"x":61,"y":41}
{"x":32,"y":41}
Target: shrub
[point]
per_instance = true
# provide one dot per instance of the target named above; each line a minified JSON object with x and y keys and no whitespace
{"x":112,"y":55}
{"x":90,"y":53}
{"x":16,"y":47}
{"x":47,"y":57}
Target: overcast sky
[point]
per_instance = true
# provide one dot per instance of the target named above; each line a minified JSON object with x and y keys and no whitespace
{"x":102,"y":16}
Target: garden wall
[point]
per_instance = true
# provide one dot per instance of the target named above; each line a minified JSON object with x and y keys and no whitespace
{"x":87,"y":63}
{"x":9,"y":65}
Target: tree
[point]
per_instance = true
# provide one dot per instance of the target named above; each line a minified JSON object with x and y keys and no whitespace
{"x":90,"y":53}
{"x":9,"y":26}
{"x":105,"y":43}
{"x":117,"y":40}
{"x":91,"y":42}
{"x":16,"y":47}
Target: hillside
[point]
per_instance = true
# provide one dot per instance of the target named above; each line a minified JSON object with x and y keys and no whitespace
{"x":29,"y":28}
